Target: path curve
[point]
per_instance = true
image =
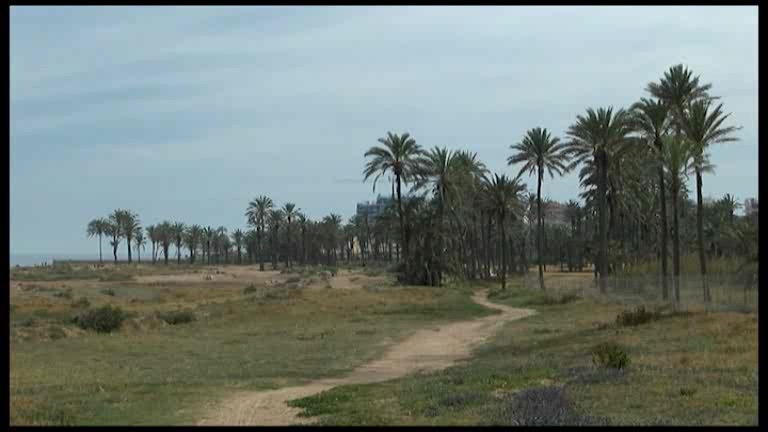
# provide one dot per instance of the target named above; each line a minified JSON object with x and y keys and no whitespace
{"x":426,"y":350}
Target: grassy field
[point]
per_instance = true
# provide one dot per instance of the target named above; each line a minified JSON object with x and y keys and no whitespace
{"x":268,"y":330}
{"x":283,"y":331}
{"x":686,"y":368}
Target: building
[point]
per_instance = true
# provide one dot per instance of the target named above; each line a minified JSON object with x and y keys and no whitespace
{"x":374,"y":209}
{"x":750,"y":206}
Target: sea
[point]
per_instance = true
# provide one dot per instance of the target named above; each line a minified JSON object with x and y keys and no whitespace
{"x":29,"y":260}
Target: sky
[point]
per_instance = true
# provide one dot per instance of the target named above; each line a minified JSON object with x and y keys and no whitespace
{"x":188,"y":113}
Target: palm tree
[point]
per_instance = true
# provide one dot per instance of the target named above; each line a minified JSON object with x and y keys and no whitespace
{"x":275,"y":220}
{"x":290,"y":211}
{"x":539,"y":151}
{"x":257,"y":212}
{"x":678,"y":156}
{"x":193,"y":236}
{"x":98,"y":227}
{"x":166,"y":235}
{"x":178,"y":229}
{"x":153,"y":238}
{"x":398,"y":155}
{"x":703,"y":127}
{"x":302,"y":218}
{"x":651,"y":119}
{"x":441,"y":169}
{"x":129,"y":223}
{"x":140,"y":241}
{"x":597,"y":137}
{"x":208,"y":234}
{"x":237,"y":238}
{"x":115,"y":230}
{"x":503,"y":199}
{"x":730,"y":204}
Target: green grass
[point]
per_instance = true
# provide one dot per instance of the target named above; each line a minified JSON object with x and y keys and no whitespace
{"x":685,"y":369}
{"x":155,"y":374}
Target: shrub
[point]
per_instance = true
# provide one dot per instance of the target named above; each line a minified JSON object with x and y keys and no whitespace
{"x":177,"y":317}
{"x":687,"y":391}
{"x":81,"y":303}
{"x":636,"y":317}
{"x":293,"y":280}
{"x":108,"y":291}
{"x":611,"y":355}
{"x":102,"y":320}
{"x":542,"y":406}
{"x":250,"y":289}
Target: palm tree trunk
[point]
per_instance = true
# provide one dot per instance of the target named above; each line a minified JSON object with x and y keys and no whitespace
{"x":128,"y":240}
{"x":675,"y":244}
{"x":602,"y":166}
{"x":664,"y":233}
{"x":503,"y":253}
{"x":402,"y":224}
{"x":541,"y":230}
{"x":700,"y":235}
{"x":101,"y":260}
{"x":259,"y":252}
{"x":178,"y":253}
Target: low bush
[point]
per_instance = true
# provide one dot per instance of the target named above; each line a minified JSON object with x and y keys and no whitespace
{"x":102,"y":320}
{"x":631,"y":318}
{"x":250,"y":289}
{"x":541,"y":406}
{"x":108,"y":291}
{"x":610,"y":355}
{"x":177,"y":317}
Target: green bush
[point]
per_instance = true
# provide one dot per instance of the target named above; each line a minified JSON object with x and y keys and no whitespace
{"x":250,"y":289}
{"x":102,"y":320}
{"x":631,"y":318}
{"x":177,"y":317}
{"x":108,"y":291}
{"x":610,"y":355}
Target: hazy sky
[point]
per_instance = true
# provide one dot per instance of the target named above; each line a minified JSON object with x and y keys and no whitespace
{"x":187,"y":113}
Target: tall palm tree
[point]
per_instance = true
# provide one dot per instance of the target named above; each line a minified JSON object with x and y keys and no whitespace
{"x":275,"y":221}
{"x":140,"y":241}
{"x":153,"y":238}
{"x":237,"y":238}
{"x":539,"y":151}
{"x":208,"y":234}
{"x":193,"y":237}
{"x":398,"y":155}
{"x":98,"y":227}
{"x":221,"y":240}
{"x":302,"y":218}
{"x":178,"y":229}
{"x":651,"y":119}
{"x":257,"y":212}
{"x":503,"y":199}
{"x":129,"y":223}
{"x":704,"y":127}
{"x":115,"y":230}
{"x":290,"y":211}
{"x":678,"y":156}
{"x":597,"y":137}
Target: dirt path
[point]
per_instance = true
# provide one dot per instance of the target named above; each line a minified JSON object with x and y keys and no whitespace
{"x":427,"y":349}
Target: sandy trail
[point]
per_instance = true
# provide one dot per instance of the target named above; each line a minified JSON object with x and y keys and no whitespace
{"x":426,"y":350}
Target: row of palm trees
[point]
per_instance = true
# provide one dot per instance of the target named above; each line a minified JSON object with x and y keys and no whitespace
{"x":670,"y":132}
{"x":452,"y":217}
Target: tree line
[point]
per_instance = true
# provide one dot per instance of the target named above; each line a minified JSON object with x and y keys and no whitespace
{"x":451,"y":217}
